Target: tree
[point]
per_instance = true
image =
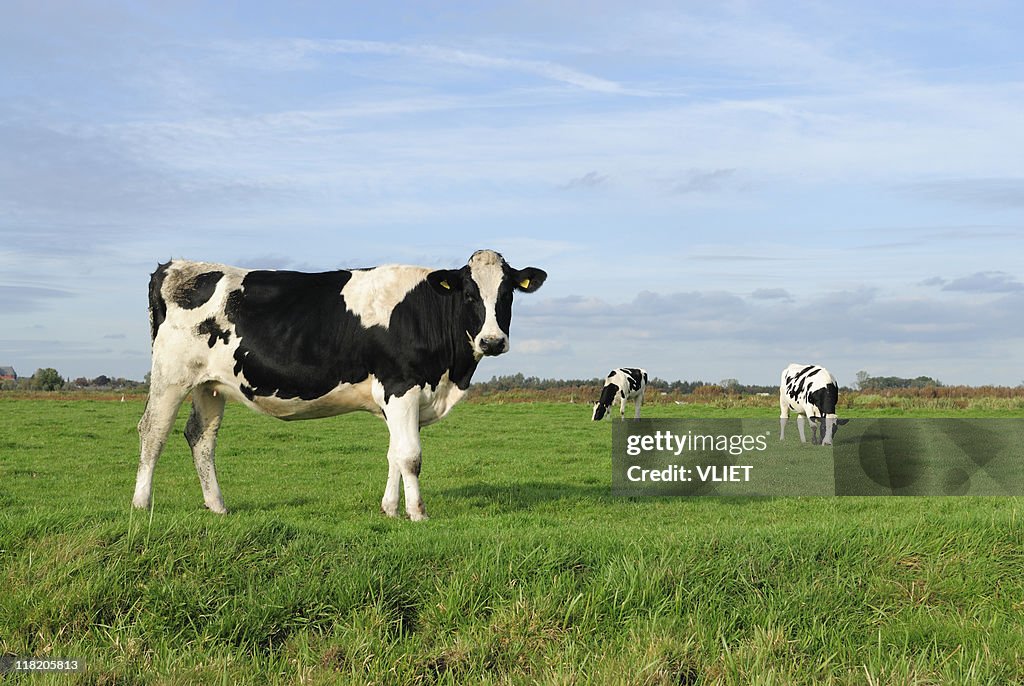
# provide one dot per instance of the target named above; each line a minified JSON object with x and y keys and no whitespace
{"x":863,"y":379}
{"x":47,"y":380}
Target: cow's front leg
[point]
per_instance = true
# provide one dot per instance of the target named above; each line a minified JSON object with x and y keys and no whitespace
{"x":827,"y":429}
{"x":800,"y":428}
{"x":404,"y":456}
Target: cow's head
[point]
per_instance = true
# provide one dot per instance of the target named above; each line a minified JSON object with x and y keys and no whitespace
{"x":486,"y":285}
{"x":608,"y":394}
{"x":828,"y":426}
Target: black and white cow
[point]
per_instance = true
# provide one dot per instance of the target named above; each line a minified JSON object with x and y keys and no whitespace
{"x":399,"y":341}
{"x":625,"y":383}
{"x":810,"y":391}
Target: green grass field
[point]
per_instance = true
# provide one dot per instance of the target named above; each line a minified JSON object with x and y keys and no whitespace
{"x":529,"y":570}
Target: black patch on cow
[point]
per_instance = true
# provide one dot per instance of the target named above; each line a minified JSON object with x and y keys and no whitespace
{"x":825,"y":398}
{"x":795,"y":389}
{"x":634,"y":376}
{"x":512,"y":282}
{"x":503,"y":306}
{"x":210,"y":327}
{"x":468,"y":305}
{"x":804,"y":371}
{"x":157,"y":304}
{"x":298,"y":340}
{"x":608,"y":394}
{"x":197,"y":291}
{"x":428,"y":334}
{"x":293,"y":330}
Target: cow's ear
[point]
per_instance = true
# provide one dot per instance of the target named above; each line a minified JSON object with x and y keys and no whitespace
{"x":445,"y":281}
{"x":529,"y":279}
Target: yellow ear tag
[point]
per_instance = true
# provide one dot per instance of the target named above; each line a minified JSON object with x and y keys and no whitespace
{"x":445,"y":284}
{"x":525,"y":283}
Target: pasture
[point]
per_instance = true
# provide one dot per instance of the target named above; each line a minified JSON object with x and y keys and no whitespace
{"x":529,"y":570}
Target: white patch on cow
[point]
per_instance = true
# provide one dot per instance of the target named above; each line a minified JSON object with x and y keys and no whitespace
{"x":183,"y":356}
{"x":342,"y":399}
{"x":372,"y":294}
{"x":486,"y":270}
{"x":438,"y":402}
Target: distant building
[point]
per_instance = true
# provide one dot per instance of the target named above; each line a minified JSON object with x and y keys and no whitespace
{"x":7,"y":373}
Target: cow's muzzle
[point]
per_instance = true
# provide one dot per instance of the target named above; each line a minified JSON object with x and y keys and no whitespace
{"x":493,"y":345}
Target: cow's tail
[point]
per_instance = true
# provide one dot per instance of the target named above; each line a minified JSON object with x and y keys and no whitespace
{"x":157,"y":304}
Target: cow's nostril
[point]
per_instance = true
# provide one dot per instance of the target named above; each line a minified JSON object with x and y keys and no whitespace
{"x":492,"y":345}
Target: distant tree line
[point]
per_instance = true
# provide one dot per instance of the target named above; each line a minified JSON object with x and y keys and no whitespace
{"x":49,"y":379}
{"x":866,"y":382}
{"x":513,"y":382}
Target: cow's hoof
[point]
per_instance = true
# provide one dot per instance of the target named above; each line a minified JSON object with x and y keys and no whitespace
{"x":418,"y":516}
{"x":389,"y":512}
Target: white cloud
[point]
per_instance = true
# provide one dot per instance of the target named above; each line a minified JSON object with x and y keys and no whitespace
{"x":985,"y":282}
{"x":541,"y":346}
{"x":298,"y":54}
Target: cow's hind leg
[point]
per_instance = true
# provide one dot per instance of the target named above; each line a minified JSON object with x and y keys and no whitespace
{"x":201,"y":434}
{"x":154,"y":428}
{"x":404,"y":456}
{"x":800,"y":428}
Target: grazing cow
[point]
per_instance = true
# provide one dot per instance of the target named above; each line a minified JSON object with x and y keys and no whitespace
{"x":399,"y":341}
{"x":626,"y":383}
{"x":810,"y":391}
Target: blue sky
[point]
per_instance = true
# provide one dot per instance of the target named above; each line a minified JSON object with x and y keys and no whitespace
{"x":715,"y":189}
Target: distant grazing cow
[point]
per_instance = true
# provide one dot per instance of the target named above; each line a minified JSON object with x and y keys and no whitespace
{"x":625,"y":383}
{"x":399,"y":341}
{"x":810,"y":391}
